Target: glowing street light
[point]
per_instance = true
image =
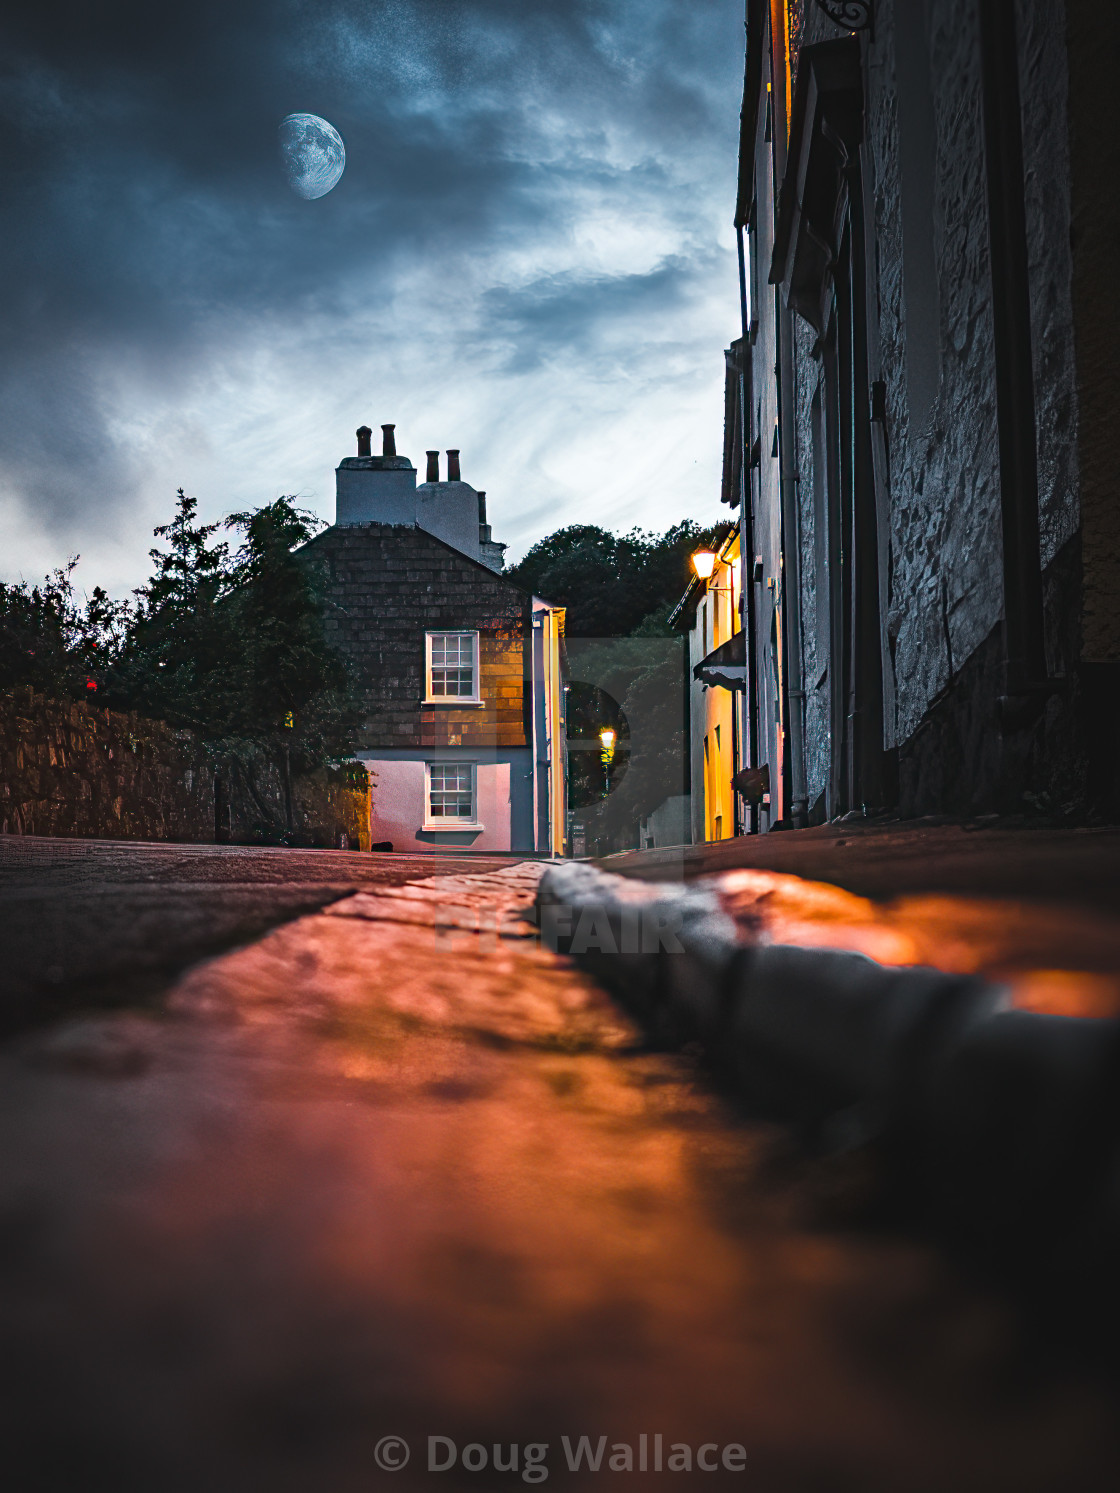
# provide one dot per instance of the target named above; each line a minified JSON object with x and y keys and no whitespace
{"x":607,"y":739}
{"x":704,"y":562}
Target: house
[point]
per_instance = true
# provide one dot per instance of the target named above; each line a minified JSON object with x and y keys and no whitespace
{"x":922,"y":407}
{"x":710,"y":612}
{"x":459,"y":669}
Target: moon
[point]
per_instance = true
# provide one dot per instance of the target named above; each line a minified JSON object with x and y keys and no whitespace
{"x":313,"y":154}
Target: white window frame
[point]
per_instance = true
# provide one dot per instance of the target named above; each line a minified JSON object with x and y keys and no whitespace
{"x":451,"y":632}
{"x":451,"y":825}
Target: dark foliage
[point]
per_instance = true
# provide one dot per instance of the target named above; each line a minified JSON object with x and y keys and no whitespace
{"x":230,"y":646}
{"x":287,"y":687}
{"x":176,"y":654}
{"x":613,"y":585}
{"x":54,"y":643}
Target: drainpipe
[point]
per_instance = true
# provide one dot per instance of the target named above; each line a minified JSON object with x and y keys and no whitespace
{"x":1024,"y":648}
{"x":791,"y":572}
{"x":746,"y":523}
{"x":797,"y":795}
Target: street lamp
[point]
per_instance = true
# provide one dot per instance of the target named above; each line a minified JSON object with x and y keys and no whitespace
{"x":704,"y":564}
{"x":607,"y":739}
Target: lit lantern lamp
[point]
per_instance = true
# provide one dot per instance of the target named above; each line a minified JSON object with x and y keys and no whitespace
{"x":607,"y":739}
{"x":704,"y":562}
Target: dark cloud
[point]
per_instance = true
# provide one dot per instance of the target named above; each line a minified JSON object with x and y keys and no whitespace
{"x":150,"y":228}
{"x":554,"y":316}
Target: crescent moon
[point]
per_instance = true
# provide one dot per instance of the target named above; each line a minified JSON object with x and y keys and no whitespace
{"x":313,"y":154}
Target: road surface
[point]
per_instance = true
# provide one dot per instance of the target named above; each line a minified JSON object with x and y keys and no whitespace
{"x":389,"y":1179}
{"x":84,"y":922}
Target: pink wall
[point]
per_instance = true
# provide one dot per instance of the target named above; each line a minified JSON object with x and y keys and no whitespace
{"x":398,"y":808}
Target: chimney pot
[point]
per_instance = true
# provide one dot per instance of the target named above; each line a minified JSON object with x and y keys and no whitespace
{"x":482,"y":507}
{"x":388,"y":440}
{"x":453,"y":467}
{"x":363,"y":433}
{"x":433,"y":466}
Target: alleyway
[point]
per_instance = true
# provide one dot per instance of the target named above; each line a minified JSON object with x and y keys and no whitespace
{"x":376,"y":1175}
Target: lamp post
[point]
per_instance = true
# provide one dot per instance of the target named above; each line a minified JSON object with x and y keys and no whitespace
{"x":607,"y":739}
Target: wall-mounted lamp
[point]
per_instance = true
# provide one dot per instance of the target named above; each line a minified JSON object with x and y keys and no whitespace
{"x":853,"y":15}
{"x":704,"y":564}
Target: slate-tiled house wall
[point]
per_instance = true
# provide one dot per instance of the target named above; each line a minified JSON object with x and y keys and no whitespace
{"x":389,"y":586}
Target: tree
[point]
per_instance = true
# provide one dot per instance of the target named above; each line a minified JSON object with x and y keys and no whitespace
{"x":613,"y":585}
{"x":289,"y":684}
{"x":288,"y":690}
{"x":177,"y":656}
{"x":232,"y":646}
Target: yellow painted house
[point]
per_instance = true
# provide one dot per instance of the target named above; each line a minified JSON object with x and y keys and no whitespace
{"x":710,"y":610}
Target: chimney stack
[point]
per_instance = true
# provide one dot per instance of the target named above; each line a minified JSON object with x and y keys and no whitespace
{"x":453,"y":467}
{"x":388,"y":441}
{"x":363,"y":433}
{"x":433,"y":466}
{"x":482,"y":507}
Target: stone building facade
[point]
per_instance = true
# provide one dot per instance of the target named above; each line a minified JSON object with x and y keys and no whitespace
{"x":459,"y":669}
{"x":925,"y":407}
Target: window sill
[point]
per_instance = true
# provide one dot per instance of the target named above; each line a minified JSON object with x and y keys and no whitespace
{"x":453,"y":700}
{"x":444,"y":826}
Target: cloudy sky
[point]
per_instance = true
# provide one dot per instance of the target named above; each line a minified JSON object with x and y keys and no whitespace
{"x":529,"y":256}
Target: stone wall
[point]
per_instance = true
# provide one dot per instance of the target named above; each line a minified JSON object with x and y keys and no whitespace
{"x":75,"y":769}
{"x":330,"y":806}
{"x":945,"y":523}
{"x":930,"y":342}
{"x":70,"y":768}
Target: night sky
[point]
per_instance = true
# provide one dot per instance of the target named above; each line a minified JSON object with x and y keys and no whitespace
{"x":529,"y":256}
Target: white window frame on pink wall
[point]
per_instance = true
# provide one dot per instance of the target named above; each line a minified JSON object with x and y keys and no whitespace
{"x":449,"y":823}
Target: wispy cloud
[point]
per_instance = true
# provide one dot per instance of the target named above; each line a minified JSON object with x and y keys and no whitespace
{"x":528,"y":257}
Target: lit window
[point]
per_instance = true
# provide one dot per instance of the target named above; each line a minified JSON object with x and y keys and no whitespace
{"x":453,"y":666}
{"x":451,"y":792}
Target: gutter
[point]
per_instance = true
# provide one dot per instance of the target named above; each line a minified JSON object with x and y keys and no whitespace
{"x":1023,"y":619}
{"x":796,"y":797}
{"x":678,"y":610}
{"x":996,"y":1126}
